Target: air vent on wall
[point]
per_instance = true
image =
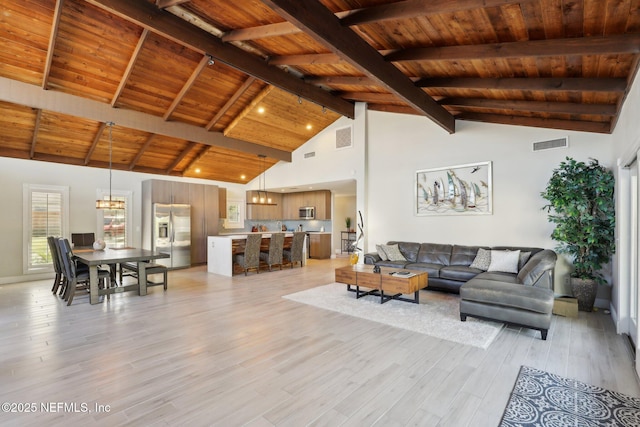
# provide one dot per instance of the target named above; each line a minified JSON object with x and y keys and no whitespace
{"x":553,"y":143}
{"x":309,"y":154}
{"x":343,"y":137}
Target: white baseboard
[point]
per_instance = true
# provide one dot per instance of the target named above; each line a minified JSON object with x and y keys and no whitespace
{"x":25,"y":278}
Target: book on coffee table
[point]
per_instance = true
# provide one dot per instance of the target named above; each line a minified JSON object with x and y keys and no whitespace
{"x":402,"y":274}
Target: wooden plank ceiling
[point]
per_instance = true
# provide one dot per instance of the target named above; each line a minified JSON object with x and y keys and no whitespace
{"x":263,"y":76}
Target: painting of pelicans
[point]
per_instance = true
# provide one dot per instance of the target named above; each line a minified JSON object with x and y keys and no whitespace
{"x":454,"y":190}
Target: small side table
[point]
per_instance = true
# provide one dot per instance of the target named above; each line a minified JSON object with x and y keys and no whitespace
{"x":348,"y":239}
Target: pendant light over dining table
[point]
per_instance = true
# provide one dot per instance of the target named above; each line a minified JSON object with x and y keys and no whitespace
{"x":110,"y":204}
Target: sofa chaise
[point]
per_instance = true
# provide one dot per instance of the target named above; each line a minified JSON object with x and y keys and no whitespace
{"x":509,"y":284}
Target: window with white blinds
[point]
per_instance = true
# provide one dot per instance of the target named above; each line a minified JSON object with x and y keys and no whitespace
{"x":114,"y":225}
{"x":46,"y":209}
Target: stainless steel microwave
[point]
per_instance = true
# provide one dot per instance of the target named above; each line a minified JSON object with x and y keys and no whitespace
{"x":308,"y":212}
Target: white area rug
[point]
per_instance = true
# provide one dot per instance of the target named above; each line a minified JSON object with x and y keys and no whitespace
{"x":437,"y":315}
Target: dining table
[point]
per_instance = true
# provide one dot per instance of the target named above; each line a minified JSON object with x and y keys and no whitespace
{"x":112,"y":256}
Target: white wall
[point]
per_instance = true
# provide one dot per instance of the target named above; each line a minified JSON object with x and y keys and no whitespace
{"x":83,"y":183}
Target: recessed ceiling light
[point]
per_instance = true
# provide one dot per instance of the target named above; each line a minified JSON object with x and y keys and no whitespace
{"x":261,"y":110}
{"x":197,"y":170}
{"x":243,"y":177}
{"x":309,"y":127}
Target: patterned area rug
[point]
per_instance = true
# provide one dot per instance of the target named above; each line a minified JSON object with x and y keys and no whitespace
{"x":542,"y":399}
{"x":437,"y":315}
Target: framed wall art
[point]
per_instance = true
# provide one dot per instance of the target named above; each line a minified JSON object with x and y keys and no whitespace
{"x":454,"y":190}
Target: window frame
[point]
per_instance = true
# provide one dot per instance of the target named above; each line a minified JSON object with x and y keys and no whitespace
{"x":128,"y":196}
{"x":27,"y":229}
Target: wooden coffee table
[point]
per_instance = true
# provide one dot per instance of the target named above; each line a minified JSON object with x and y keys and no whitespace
{"x":384,"y":284}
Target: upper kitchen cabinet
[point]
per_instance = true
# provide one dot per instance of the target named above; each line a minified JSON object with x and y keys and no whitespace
{"x":320,"y":200}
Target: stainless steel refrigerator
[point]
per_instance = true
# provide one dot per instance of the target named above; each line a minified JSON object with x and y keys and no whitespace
{"x":172,"y":234}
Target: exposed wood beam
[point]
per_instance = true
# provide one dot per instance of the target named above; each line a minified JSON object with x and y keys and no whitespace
{"x":144,"y":147}
{"x":34,"y":97}
{"x":167,"y":25}
{"x":597,"y":45}
{"x":536,"y":106}
{"x":132,"y":61}
{"x":576,"y":125}
{"x":322,"y":25}
{"x":413,"y":8}
{"x":196,"y":160}
{"x":94,"y":144}
{"x":392,"y":108}
{"x":341,"y":80}
{"x":400,"y":10}
{"x":182,"y":155}
{"x":371,"y":97}
{"x":162,"y":4}
{"x":309,"y":59}
{"x":187,"y":86}
{"x":255,"y":101}
{"x":57,"y":13}
{"x":222,"y":111}
{"x":36,"y":129}
{"x":539,"y":84}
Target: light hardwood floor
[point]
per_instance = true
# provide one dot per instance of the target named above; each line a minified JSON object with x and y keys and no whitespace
{"x":231,"y":351}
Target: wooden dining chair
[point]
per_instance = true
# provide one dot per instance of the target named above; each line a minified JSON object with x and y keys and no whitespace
{"x":76,"y":281}
{"x":296,"y":253}
{"x":274,"y":255}
{"x":251,"y":257}
{"x":58,"y":281}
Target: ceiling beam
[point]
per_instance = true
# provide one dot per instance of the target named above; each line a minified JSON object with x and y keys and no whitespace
{"x":132,"y":61}
{"x":371,"y":97}
{"x":168,"y":3}
{"x":341,"y":80}
{"x":53,"y":36}
{"x":186,"y":87}
{"x":539,"y":122}
{"x":534,"y":106}
{"x":169,"y":26}
{"x":32,"y":96}
{"x":181,"y":156}
{"x":412,"y":8}
{"x":571,"y":84}
{"x":320,"y":24}
{"x":597,"y":45}
{"x":400,"y":10}
{"x":94,"y":143}
{"x":255,"y":101}
{"x":144,"y":147}
{"x":36,"y":129}
{"x":227,"y":105}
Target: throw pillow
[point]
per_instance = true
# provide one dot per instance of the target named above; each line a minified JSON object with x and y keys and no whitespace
{"x":504,"y":261}
{"x":524,"y":257}
{"x":381,"y":253}
{"x":393,"y":253}
{"x":482,"y":260}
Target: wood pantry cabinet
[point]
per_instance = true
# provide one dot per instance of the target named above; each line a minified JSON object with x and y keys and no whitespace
{"x":205,"y":201}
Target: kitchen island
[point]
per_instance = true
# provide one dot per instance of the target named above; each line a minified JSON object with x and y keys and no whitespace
{"x":221,"y":250}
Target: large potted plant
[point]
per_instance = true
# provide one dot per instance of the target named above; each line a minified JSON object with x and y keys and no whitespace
{"x":582,"y":207}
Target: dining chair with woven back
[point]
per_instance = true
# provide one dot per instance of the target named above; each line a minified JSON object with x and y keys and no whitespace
{"x":274,"y":255}
{"x":296,"y":253}
{"x":250,"y":258}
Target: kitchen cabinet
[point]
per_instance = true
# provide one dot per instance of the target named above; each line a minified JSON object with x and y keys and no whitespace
{"x":205,"y":211}
{"x":319,"y":245}
{"x":257,"y":211}
{"x":321,"y":200}
{"x":222,"y":202}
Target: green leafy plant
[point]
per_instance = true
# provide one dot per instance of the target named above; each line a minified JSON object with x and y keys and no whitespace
{"x":582,"y":206}
{"x":347,"y":220}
